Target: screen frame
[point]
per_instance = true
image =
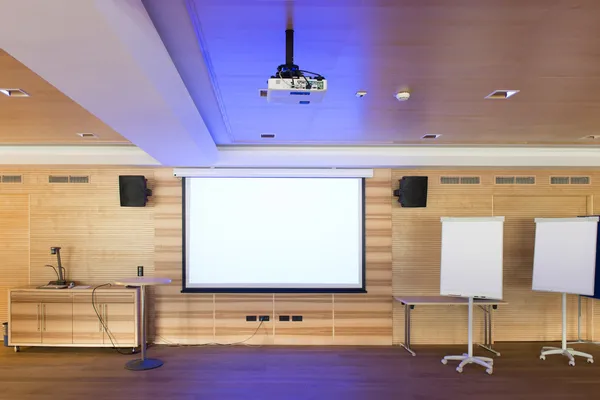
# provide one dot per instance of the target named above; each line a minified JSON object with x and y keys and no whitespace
{"x":324,"y":290}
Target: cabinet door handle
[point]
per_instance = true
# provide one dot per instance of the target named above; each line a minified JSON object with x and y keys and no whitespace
{"x":39,"y":319}
{"x":101,"y":319}
{"x":44,"y":316}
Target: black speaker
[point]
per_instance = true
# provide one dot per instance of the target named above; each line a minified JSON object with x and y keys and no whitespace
{"x":133,"y":190}
{"x":412,"y":192}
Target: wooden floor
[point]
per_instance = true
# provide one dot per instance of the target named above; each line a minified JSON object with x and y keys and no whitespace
{"x":282,"y":373}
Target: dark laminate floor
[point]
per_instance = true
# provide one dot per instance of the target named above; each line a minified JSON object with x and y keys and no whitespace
{"x":294,"y":373}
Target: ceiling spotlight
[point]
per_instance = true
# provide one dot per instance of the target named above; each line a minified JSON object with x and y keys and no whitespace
{"x":402,"y":96}
{"x":87,"y":135}
{"x":361,"y":93}
{"x":431,"y":136}
{"x":14,"y":92}
{"x":501,"y":94}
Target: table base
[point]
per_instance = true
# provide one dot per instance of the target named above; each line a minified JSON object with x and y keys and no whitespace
{"x":142,"y":365}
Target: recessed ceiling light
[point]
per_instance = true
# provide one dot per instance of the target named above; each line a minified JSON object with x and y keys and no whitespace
{"x":501,"y":94}
{"x":591,"y":137}
{"x":361,"y":93}
{"x":14,"y":92}
{"x":267,"y":136}
{"x":431,"y":136}
{"x":402,"y":95}
{"x":87,"y":135}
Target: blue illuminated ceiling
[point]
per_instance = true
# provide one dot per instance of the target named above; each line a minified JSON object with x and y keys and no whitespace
{"x":449,"y":54}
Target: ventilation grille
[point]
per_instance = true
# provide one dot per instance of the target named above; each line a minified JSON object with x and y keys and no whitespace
{"x":79,"y":179}
{"x":580,"y":180}
{"x":58,"y":179}
{"x":470,"y":180}
{"x":515,"y":180}
{"x":450,"y":180}
{"x":505,"y":180}
{"x":559,"y":180}
{"x":570,"y":180}
{"x":460,"y":180}
{"x":68,"y":179}
{"x":11,"y":179}
{"x":525,"y":180}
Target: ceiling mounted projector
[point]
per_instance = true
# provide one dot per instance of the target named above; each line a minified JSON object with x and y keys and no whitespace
{"x":292,"y":85}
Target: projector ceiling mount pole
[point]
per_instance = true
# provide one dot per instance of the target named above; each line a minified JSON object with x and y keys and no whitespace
{"x":289,"y":69}
{"x":289,"y":47}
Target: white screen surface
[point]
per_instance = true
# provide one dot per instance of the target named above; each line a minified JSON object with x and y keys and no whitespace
{"x":565,"y":255}
{"x":274,"y":233}
{"x":472,"y":257}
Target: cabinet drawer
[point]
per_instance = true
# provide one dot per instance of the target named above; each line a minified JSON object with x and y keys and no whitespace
{"x":40,"y":297}
{"x":104,"y":297}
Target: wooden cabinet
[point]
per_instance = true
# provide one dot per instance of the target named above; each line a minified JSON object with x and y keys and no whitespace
{"x":40,"y":317}
{"x":25,"y":323}
{"x":111,"y":318}
{"x":57,"y":323}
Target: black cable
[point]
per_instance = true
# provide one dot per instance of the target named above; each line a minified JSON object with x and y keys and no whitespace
{"x":171,"y":344}
{"x":312,"y":73}
{"x":308,"y":84}
{"x":102,"y":320}
{"x":55,"y":271}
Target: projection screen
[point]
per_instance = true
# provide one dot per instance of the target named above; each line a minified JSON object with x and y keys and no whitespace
{"x":273,"y":235}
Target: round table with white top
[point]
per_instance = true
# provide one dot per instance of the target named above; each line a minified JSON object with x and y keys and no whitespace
{"x":143,"y":363}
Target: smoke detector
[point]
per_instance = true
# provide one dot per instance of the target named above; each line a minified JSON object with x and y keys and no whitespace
{"x":402,"y":96}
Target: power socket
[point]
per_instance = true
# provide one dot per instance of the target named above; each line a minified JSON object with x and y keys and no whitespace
{"x":297,"y":318}
{"x":264,"y":318}
{"x":284,"y":318}
{"x":250,"y":318}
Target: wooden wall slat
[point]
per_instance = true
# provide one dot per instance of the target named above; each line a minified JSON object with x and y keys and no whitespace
{"x":531,"y":315}
{"x":417,"y":245}
{"x":102,"y":241}
{"x":14,"y":246}
{"x":361,"y":319}
{"x":317,"y":325}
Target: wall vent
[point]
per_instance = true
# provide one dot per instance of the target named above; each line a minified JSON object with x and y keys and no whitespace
{"x":505,"y":180}
{"x":79,"y":179}
{"x":58,"y":179}
{"x":525,"y":180}
{"x":460,"y":180}
{"x":580,"y":180}
{"x":515,"y":180}
{"x":570,"y":180}
{"x":450,"y":180}
{"x":559,"y":180}
{"x":470,"y":180}
{"x":12,"y":179}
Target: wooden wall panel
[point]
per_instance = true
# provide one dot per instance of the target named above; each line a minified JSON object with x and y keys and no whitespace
{"x":416,"y":252}
{"x":359,"y":319}
{"x":100,"y":240}
{"x":230,"y":318}
{"x":366,"y":319}
{"x":14,"y":246}
{"x":176,"y":317}
{"x":316,"y":326}
{"x":531,"y":315}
